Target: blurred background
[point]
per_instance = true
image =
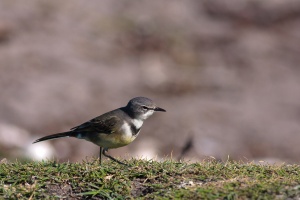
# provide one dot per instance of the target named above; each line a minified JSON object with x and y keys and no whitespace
{"x":227,"y":73}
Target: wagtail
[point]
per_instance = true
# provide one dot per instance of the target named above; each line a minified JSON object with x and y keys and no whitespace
{"x":113,"y":129}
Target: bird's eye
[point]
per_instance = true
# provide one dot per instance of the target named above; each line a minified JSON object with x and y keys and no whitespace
{"x":145,"y":108}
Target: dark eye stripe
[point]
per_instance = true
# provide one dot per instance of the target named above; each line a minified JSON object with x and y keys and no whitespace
{"x":147,"y":108}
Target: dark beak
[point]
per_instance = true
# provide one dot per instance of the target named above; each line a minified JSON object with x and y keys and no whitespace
{"x":159,"y":109}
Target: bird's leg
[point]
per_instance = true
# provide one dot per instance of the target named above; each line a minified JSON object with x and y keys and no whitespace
{"x":100,"y":156}
{"x":104,"y":153}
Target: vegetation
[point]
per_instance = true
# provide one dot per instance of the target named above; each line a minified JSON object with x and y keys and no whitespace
{"x":148,"y":179}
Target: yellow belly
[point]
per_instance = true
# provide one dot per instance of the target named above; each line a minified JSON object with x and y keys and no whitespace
{"x":113,"y":140}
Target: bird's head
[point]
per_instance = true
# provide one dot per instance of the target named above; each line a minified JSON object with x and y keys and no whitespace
{"x":142,"y":107}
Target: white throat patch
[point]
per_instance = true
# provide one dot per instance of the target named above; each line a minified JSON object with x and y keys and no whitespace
{"x":147,"y":114}
{"x":137,"y":123}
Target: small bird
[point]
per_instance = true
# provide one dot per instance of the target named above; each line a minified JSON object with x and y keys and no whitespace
{"x":113,"y":129}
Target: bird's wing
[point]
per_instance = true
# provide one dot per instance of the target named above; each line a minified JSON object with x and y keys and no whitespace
{"x":99,"y":125}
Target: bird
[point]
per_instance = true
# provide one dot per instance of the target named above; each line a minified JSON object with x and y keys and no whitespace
{"x":113,"y":129}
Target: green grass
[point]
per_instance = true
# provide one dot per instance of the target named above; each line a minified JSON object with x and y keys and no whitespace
{"x":148,"y":179}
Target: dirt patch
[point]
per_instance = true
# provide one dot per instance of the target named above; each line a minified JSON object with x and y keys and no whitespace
{"x":139,"y":189}
{"x":62,"y":191}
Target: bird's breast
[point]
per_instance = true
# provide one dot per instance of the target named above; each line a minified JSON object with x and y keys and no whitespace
{"x":127,"y":135}
{"x":120,"y":137}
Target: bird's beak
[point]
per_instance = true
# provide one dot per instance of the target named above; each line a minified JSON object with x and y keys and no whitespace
{"x":159,"y":109}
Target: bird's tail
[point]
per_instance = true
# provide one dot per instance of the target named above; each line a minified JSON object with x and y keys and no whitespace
{"x":57,"y":135}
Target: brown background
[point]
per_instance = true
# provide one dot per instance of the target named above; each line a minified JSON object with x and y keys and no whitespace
{"x":227,"y":73}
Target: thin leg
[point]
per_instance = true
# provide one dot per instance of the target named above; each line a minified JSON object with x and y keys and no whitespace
{"x":100,"y":156}
{"x":104,"y":153}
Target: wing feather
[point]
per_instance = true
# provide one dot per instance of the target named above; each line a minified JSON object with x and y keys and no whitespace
{"x":99,"y":125}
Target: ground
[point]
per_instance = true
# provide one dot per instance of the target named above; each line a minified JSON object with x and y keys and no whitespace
{"x":209,"y":179}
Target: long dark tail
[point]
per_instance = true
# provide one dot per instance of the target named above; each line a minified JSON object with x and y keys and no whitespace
{"x":57,"y":135}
